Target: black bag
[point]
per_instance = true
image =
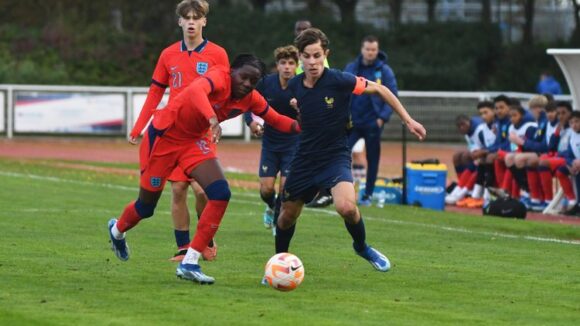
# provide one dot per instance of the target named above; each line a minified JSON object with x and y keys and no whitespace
{"x":506,"y":208}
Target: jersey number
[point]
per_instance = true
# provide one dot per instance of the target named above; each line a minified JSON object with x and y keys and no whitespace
{"x":176,"y":76}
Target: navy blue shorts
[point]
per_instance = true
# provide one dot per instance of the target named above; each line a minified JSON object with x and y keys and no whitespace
{"x":272,"y":162}
{"x":306,"y":179}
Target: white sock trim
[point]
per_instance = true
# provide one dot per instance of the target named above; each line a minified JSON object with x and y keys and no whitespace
{"x":191,"y":257}
{"x":116,"y":233}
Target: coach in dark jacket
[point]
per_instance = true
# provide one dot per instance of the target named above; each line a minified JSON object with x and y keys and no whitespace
{"x":370,"y":113}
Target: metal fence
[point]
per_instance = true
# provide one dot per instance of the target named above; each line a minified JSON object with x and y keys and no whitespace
{"x":32,"y":109}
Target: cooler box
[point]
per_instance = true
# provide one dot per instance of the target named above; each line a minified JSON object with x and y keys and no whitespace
{"x":426,"y":185}
{"x":385,"y":191}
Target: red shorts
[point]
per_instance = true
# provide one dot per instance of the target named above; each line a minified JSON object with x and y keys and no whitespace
{"x":161,"y":160}
{"x":179,"y":175}
{"x":554,"y":161}
{"x":501,"y":154}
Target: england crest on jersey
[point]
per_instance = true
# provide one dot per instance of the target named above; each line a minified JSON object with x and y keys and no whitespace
{"x":201,"y":67}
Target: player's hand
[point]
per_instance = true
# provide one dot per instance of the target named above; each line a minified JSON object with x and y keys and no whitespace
{"x":256,"y":129}
{"x":575,"y":167}
{"x":417,"y":129}
{"x":514,"y":138}
{"x":380,"y":123}
{"x":294,"y":104}
{"x":133,"y":140}
{"x":215,"y":129}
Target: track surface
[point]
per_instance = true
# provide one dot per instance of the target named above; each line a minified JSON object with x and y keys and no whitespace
{"x":234,"y":155}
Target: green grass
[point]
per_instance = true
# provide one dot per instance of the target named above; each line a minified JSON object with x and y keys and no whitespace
{"x":56,"y":266}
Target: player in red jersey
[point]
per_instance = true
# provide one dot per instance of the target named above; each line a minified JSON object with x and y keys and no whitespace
{"x":178,"y":65}
{"x":177,"y":138}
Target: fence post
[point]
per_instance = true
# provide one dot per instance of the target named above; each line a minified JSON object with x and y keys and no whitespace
{"x":10,"y":112}
{"x":128,"y":112}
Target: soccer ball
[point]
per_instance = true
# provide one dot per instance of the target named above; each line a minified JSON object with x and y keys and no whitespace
{"x":284,"y":272}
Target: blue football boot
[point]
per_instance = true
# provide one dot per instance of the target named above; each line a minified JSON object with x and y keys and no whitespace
{"x":378,"y":260}
{"x":120,"y":247}
{"x":192,"y":272}
{"x":268,"y":218}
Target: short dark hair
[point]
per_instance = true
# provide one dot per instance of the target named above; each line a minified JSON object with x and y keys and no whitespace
{"x":311,"y":36}
{"x":551,"y":106}
{"x":576,"y":114}
{"x":549,"y":96}
{"x":502,"y":98}
{"x":518,"y":107}
{"x":370,"y":39}
{"x":248,"y":59}
{"x":484,"y":104}
{"x":565,"y":104}
{"x":461,"y":118}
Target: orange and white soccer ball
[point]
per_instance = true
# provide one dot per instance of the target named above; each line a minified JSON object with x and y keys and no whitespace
{"x":284,"y":272}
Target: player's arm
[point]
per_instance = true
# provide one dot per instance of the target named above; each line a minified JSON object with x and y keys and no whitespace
{"x":364,"y":86}
{"x":193,"y":97}
{"x":278,"y":121}
{"x":154,"y":96}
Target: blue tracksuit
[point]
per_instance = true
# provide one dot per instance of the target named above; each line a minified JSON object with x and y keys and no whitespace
{"x":538,"y":143}
{"x":366,"y":109}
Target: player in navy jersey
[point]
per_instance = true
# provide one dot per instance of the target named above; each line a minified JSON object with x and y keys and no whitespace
{"x":322,"y":159}
{"x":277,"y":147}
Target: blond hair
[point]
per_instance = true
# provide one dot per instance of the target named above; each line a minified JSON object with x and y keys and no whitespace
{"x":538,"y":101}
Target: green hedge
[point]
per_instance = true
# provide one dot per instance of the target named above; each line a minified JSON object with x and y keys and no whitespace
{"x":445,"y":56}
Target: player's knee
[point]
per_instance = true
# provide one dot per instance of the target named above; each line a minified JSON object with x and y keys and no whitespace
{"x":144,"y":210}
{"x":266,"y":190}
{"x":218,"y":190}
{"x":179,"y":194}
{"x":346,"y":209}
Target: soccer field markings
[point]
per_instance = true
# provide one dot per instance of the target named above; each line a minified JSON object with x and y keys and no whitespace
{"x":322,"y":211}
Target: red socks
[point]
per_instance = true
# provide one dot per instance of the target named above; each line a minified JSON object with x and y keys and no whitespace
{"x":208,"y":224}
{"x":546,"y":179}
{"x":566,"y":185}
{"x":534,"y":184}
{"x":129,"y":218}
{"x":500,"y":170}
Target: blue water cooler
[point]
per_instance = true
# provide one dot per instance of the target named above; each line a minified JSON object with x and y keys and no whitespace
{"x":426,"y":185}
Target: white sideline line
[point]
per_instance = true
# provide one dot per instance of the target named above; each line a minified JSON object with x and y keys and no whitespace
{"x":328,"y":212}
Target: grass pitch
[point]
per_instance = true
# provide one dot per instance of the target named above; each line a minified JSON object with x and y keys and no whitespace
{"x":56,"y":266}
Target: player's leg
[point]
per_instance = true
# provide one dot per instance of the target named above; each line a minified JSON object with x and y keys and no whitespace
{"x":285,"y":161}
{"x":466,"y":171}
{"x":210,"y":252}
{"x":529,"y":163}
{"x":299,"y":187}
{"x":286,"y":223}
{"x":563,"y":176}
{"x":154,"y":173}
{"x":356,"y":144}
{"x":372,"y":139}
{"x":210,"y":177}
{"x":344,"y":201}
{"x":180,"y":215}
{"x":268,"y":169}
{"x":545,"y":172}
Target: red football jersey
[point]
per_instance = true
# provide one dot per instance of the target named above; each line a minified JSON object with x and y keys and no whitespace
{"x":178,"y":67}
{"x":186,"y":117}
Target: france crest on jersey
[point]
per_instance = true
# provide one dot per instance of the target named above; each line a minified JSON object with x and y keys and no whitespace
{"x":201,"y":67}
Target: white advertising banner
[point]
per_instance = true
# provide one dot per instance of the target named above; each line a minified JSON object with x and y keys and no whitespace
{"x":2,"y":112}
{"x":85,"y":113}
{"x":232,"y":127}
